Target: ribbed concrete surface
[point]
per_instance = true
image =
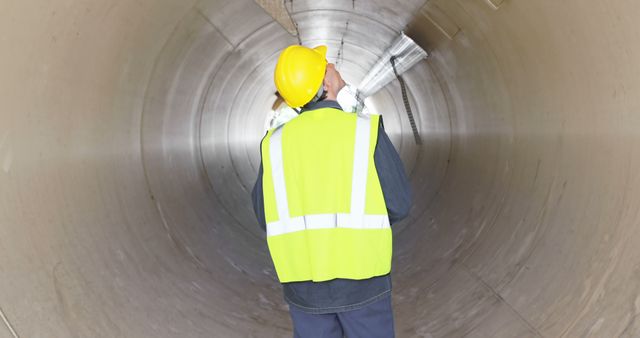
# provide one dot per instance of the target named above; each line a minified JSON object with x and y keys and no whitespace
{"x":129,"y":136}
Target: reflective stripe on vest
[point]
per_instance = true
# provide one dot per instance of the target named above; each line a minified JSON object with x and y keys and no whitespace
{"x":356,"y":219}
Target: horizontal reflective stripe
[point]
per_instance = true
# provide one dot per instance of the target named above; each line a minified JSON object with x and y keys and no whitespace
{"x":326,"y":221}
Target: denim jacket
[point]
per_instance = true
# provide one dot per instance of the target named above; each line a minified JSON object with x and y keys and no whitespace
{"x":339,"y":295}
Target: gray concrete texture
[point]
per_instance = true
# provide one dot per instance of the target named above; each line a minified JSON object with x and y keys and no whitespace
{"x":129,"y":136}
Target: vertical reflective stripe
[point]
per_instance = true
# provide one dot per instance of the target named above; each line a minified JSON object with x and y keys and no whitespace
{"x":279,"y":185}
{"x":360,"y":169}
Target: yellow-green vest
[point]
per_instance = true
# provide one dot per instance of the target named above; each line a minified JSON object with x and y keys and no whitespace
{"x":324,"y":208}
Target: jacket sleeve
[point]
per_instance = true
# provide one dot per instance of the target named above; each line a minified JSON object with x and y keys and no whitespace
{"x":393,"y":179}
{"x":258,"y":198}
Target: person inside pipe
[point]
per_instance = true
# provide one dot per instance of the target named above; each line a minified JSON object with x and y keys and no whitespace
{"x":328,"y":189}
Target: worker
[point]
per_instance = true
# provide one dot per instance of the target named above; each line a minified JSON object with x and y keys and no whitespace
{"x":329,"y":187}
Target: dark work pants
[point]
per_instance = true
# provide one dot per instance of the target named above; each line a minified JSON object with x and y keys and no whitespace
{"x":372,"y":321}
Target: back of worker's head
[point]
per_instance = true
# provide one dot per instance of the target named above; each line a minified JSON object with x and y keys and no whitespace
{"x":299,"y":74}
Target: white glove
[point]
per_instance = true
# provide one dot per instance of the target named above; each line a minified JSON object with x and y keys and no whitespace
{"x":350,"y":103}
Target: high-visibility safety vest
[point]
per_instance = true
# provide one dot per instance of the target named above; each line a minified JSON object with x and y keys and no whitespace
{"x":324,"y":208}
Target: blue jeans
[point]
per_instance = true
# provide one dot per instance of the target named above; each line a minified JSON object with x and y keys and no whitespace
{"x":372,"y":321}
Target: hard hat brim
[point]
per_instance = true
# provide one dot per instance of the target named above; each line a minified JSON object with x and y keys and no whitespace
{"x":322,"y":49}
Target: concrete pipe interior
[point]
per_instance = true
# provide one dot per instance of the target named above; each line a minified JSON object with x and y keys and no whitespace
{"x":129,"y":136}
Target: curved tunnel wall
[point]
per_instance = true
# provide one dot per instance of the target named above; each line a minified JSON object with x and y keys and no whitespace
{"x":129,"y":144}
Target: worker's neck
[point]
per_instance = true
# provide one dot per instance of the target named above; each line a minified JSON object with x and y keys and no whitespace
{"x":326,"y":103}
{"x":331,"y":96}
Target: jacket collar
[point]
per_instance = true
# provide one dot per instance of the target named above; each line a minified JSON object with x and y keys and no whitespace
{"x":320,"y":105}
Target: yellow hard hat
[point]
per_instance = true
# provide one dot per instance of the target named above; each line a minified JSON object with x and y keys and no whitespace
{"x":299,"y":73}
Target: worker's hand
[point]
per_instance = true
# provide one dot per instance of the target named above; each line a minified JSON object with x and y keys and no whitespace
{"x":349,"y":100}
{"x":333,"y":82}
